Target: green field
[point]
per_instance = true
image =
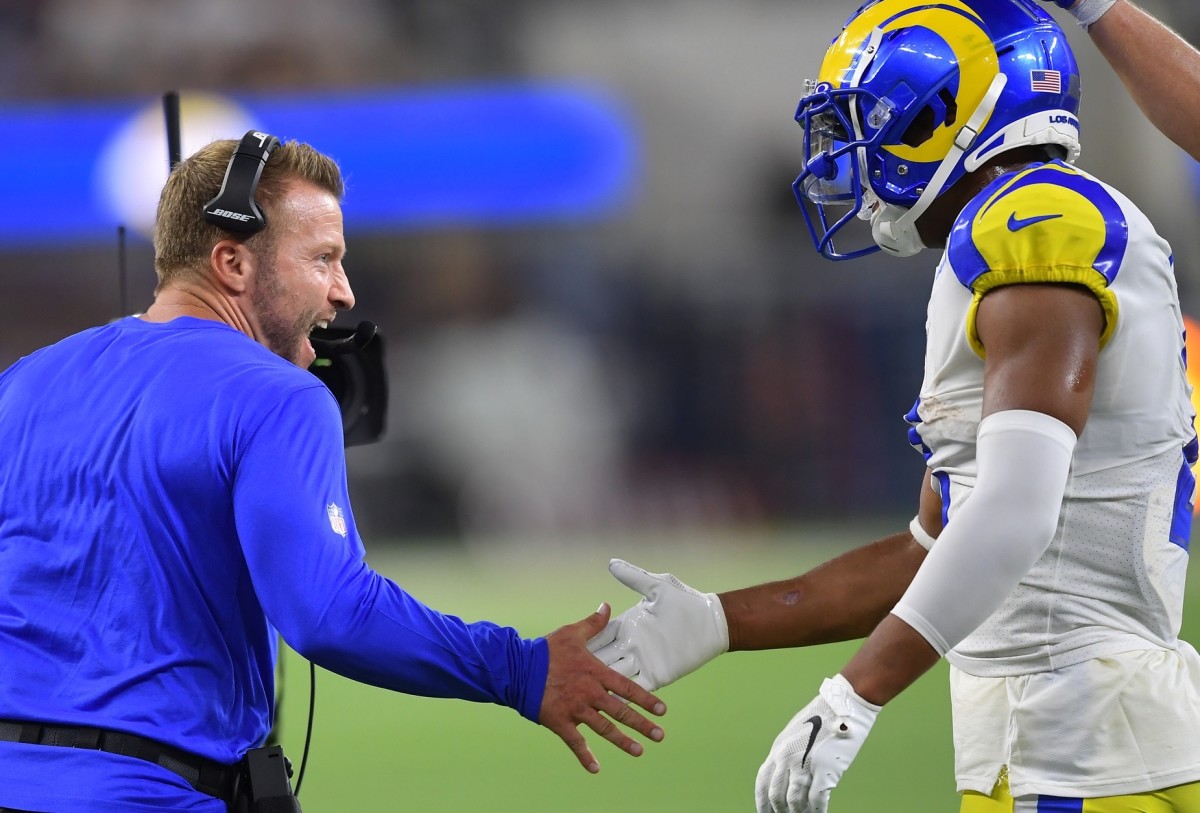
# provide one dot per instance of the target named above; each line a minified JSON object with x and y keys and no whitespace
{"x":374,"y":750}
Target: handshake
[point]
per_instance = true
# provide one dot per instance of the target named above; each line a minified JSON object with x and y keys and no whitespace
{"x":672,"y":631}
{"x":675,"y":629}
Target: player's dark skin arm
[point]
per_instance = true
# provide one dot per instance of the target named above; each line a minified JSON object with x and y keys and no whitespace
{"x":841,"y":600}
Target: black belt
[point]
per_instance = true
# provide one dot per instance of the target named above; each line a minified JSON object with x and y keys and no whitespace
{"x":206,"y":776}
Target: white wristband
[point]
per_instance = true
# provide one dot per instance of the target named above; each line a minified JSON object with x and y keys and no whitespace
{"x":1088,"y":12}
{"x":919,"y":534}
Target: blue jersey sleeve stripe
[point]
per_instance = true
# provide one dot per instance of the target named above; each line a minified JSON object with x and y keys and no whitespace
{"x":913,"y":417}
{"x":1181,"y":519}
{"x":943,"y":481}
{"x":1185,"y":490}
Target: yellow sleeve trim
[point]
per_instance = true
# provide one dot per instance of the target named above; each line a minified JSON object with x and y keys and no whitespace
{"x":1087,"y":277}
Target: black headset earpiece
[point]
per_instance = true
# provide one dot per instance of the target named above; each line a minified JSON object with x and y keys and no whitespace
{"x":234,"y":209}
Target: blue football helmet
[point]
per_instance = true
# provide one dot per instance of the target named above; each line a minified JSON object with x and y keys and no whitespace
{"x":913,"y":95}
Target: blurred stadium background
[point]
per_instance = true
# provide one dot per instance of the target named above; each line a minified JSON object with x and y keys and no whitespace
{"x":607,"y":331}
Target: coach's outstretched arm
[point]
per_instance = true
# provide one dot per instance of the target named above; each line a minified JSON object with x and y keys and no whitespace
{"x":1160,"y":69}
{"x":317,"y":590}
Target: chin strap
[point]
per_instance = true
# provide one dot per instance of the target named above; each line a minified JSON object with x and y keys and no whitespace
{"x":894,"y":228}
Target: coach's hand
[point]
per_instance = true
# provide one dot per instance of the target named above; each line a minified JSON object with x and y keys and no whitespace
{"x":582,"y":690}
{"x":811,"y":754}
{"x":1085,"y":12}
{"x":672,"y":631}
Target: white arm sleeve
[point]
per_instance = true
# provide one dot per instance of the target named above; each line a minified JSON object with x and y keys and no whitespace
{"x":1024,"y":459}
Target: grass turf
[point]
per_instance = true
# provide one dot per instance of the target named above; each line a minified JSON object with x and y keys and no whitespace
{"x":374,"y":750}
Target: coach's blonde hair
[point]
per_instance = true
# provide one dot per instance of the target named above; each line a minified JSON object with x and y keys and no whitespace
{"x":183,"y":239}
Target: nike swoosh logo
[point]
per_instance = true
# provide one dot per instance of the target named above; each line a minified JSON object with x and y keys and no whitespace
{"x":812,"y":737}
{"x":1015,"y":224}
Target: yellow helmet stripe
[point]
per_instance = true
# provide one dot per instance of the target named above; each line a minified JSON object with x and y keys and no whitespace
{"x":961,"y":29}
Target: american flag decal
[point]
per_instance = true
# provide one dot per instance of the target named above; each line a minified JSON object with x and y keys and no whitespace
{"x":1045,"y":81}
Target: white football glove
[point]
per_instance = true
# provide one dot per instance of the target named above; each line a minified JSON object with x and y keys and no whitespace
{"x":813,"y":751}
{"x":672,"y":631}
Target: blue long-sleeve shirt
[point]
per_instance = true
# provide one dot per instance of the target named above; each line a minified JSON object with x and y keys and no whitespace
{"x":171,"y":495}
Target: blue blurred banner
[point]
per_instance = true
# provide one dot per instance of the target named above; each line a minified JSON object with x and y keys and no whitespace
{"x":494,"y":154}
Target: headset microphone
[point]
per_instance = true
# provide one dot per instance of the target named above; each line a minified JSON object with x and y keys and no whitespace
{"x":362,"y":336}
{"x":350,"y":363}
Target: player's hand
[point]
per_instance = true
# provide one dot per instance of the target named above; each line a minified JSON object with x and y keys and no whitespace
{"x":813,"y":751}
{"x":1085,"y":12}
{"x":580,"y":690}
{"x":672,"y":631}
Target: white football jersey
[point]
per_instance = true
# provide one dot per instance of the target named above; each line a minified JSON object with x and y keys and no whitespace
{"x":1112,"y":580}
{"x":1048,"y":682}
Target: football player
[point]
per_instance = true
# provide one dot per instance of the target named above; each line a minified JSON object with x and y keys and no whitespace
{"x":1046,"y":561}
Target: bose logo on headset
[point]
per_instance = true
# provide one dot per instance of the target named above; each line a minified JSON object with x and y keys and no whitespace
{"x":230,"y":215}
{"x":234,"y":208}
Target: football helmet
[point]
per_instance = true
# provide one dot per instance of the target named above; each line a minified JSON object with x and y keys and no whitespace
{"x":912,"y":95}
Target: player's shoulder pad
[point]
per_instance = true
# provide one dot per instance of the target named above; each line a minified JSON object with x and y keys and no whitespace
{"x":1048,"y":216}
{"x":1047,"y":223}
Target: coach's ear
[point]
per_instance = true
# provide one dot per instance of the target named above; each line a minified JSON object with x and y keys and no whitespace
{"x":233,"y":266}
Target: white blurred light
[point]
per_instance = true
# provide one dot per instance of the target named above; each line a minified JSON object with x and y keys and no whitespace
{"x":133,"y":164}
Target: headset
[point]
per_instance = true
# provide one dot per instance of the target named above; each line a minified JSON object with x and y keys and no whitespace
{"x":349,"y":361}
{"x":234,"y":208}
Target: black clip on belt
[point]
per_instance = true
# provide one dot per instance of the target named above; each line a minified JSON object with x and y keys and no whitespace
{"x":208,"y":777}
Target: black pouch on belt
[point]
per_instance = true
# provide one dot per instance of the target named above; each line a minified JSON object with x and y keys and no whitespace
{"x":266,"y":785}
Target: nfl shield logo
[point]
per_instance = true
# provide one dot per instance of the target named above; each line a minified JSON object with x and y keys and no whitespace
{"x":337,"y":520}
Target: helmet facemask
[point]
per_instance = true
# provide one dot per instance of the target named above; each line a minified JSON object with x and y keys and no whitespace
{"x":835,"y":170}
